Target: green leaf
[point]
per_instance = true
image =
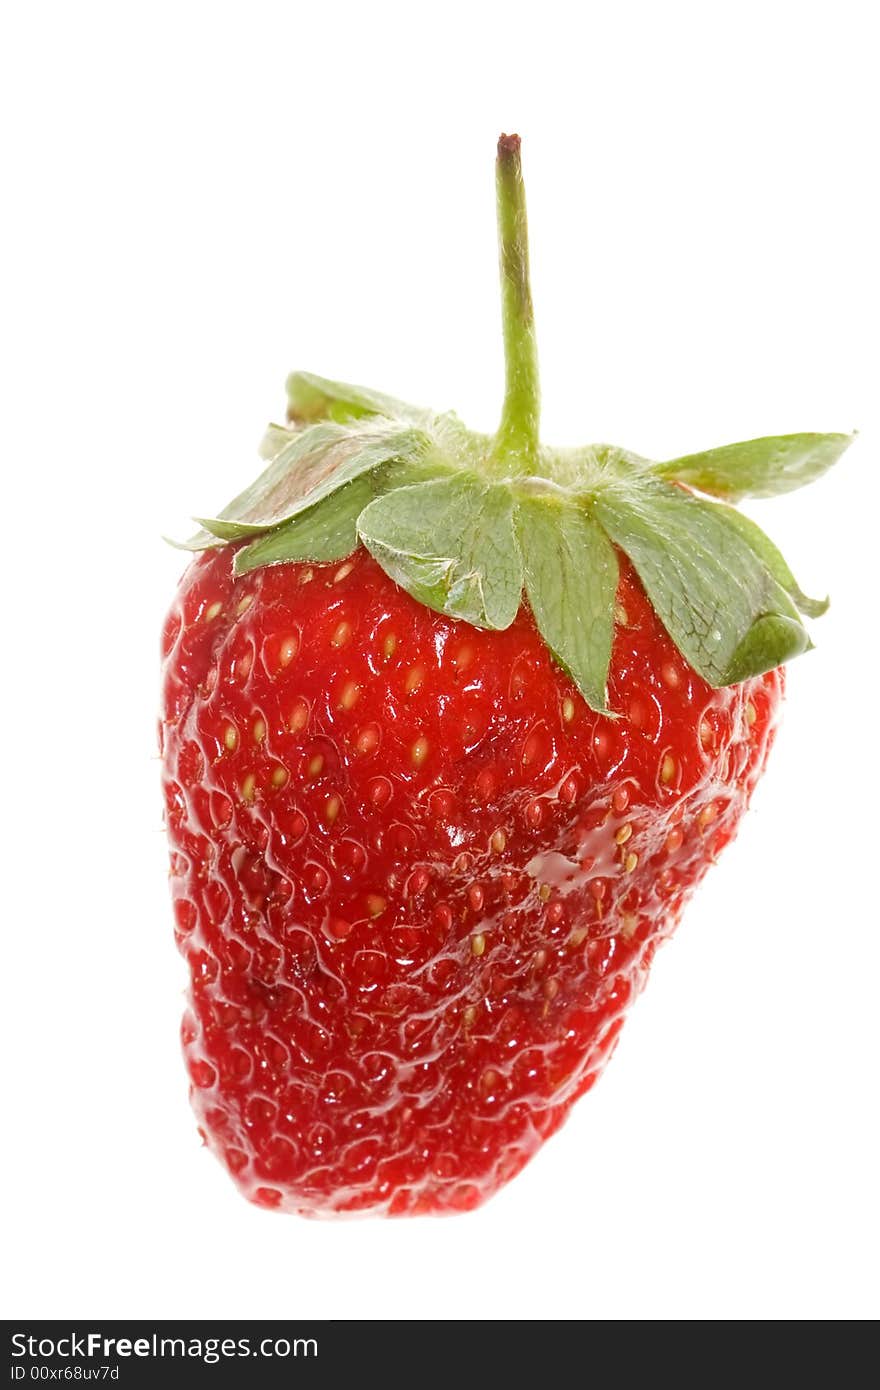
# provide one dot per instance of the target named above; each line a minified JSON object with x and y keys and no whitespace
{"x":202,"y":540}
{"x":314,"y":463}
{"x":722,"y":606}
{"x":758,"y":467}
{"x":276,"y":438}
{"x":769,"y":642}
{"x":451,"y":544}
{"x":327,"y":531}
{"x":570,"y":570}
{"x":311,"y":397}
{"x":580,"y":471}
{"x":773,"y":559}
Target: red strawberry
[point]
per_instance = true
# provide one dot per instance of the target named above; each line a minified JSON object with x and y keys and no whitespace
{"x":426,"y":836}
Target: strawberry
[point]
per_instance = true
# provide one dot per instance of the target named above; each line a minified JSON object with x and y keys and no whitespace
{"x":452,"y":727}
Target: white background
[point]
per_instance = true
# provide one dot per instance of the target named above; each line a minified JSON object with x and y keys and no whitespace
{"x":200,"y":197}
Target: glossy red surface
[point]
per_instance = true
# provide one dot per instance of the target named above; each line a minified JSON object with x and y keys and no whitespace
{"x":417,"y":881}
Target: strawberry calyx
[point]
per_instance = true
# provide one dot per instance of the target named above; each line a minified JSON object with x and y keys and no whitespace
{"x":467,"y":523}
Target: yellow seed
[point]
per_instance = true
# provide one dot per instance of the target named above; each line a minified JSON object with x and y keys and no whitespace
{"x":620,"y":615}
{"x":568,"y":710}
{"x":350,"y":693}
{"x":389,"y":646}
{"x":667,"y":769}
{"x":578,"y":935}
{"x":623,"y":834}
{"x":279,"y":776}
{"x":469,"y":1016}
{"x":419,"y":751}
{"x":498,"y":842}
{"x":244,"y":604}
{"x":630,"y":862}
{"x":299,"y":718}
{"x":306,"y":576}
{"x":707,"y":815}
{"x":670,"y":675}
{"x":230,"y":737}
{"x":551,"y":988}
{"x":544,"y":892}
{"x":376,"y":904}
{"x":414,"y":679}
{"x":367,"y":740}
{"x":343,"y":572}
{"x":751,"y":714}
{"x":478,"y":944}
{"x":248,"y":787}
{"x":258,"y":729}
{"x":212,"y":611}
{"x":341,"y":635}
{"x":288,"y":650}
{"x":315,"y":765}
{"x":628,"y":925}
{"x":705,"y":734}
{"x":331,"y":810}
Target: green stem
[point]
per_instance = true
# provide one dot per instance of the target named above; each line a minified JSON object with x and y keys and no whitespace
{"x":517,"y":437}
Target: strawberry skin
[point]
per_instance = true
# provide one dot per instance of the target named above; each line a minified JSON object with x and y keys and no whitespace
{"x":416,"y":879}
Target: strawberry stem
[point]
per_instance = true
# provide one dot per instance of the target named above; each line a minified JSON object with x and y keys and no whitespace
{"x":516,"y":442}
